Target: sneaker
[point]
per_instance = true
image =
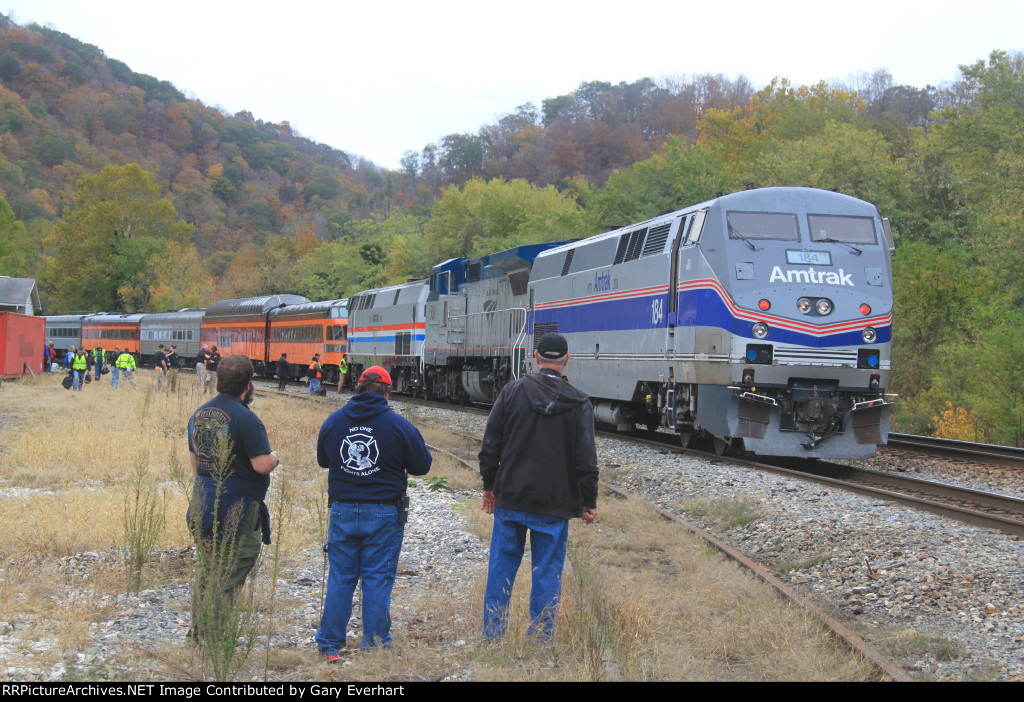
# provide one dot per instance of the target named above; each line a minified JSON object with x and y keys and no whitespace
{"x":332,"y":658}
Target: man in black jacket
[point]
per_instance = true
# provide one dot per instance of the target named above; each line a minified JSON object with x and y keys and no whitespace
{"x":282,"y":371}
{"x":539,"y":466}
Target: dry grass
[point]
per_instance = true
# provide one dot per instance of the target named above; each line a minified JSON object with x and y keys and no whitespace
{"x":643,"y":600}
{"x":675,"y":611}
{"x":647,"y":601}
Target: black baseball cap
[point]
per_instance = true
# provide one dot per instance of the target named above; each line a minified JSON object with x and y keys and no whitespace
{"x":552,"y":347}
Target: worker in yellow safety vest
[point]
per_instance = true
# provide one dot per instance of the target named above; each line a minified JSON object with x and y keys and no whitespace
{"x":343,"y":370}
{"x":126,"y":362}
{"x":79,"y":369}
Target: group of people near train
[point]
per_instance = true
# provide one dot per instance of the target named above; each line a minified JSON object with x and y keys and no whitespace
{"x":81,"y":363}
{"x":167,"y":365}
{"x":538,"y":463}
{"x":314,"y":374}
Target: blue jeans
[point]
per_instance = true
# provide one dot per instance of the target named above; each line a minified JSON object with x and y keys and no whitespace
{"x":548,"y":538}
{"x":78,"y":379}
{"x":363,"y":543}
{"x":314,"y":386}
{"x":115,"y":374}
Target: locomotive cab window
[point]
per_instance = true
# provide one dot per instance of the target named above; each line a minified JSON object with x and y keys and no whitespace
{"x":842,"y":228}
{"x":781,"y":226}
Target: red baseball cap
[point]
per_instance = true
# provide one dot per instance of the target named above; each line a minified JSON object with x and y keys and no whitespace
{"x":382,"y":375}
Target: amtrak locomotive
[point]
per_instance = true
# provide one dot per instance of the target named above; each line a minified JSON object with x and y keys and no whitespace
{"x":761,"y":320}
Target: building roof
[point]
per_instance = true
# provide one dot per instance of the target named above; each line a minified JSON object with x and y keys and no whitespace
{"x":19,"y":295}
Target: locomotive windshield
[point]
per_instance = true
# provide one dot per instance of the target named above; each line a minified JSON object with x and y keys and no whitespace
{"x":762,"y":225}
{"x":841,"y":228}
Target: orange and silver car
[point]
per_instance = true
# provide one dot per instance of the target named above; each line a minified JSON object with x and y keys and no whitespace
{"x":243,"y":326}
{"x":308,"y":328}
{"x":110,"y":330}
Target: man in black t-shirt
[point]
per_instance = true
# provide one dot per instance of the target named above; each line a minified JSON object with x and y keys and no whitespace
{"x":160,"y":361}
{"x":173,"y":366}
{"x":212,"y":360}
{"x":230,"y":453}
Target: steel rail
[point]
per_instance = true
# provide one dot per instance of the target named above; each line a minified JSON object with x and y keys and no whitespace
{"x":815,"y":471}
{"x":848,"y":638}
{"x":1009,"y":456}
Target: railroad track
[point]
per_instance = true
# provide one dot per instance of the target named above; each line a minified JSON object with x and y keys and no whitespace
{"x":885,"y":668}
{"x":1008,"y":456}
{"x":975,"y":507}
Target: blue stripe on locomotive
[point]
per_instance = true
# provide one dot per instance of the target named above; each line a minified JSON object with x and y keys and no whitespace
{"x":371,"y":340}
{"x":696,"y":308}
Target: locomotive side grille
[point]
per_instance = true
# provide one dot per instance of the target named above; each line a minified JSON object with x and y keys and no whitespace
{"x":568,"y":261}
{"x":365,"y":301}
{"x":620,"y":252}
{"x":518,"y":280}
{"x":656,"y":239}
{"x":636,"y":244}
{"x":542,"y":328}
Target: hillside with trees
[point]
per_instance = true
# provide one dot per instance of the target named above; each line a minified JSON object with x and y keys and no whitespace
{"x":119,"y":193}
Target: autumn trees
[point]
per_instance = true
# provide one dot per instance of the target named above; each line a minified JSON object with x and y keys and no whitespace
{"x":106,"y":246}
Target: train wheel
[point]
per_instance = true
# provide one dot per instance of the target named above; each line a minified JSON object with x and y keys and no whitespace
{"x":722,"y":445}
{"x":686,"y":439}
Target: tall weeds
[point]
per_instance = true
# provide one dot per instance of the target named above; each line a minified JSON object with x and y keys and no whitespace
{"x":224,"y":614}
{"x":145,"y":510}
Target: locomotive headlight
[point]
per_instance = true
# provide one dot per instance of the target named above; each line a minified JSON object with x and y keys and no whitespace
{"x":760,"y":330}
{"x":823,"y":306}
{"x":804,"y":305}
{"x":869,"y":334}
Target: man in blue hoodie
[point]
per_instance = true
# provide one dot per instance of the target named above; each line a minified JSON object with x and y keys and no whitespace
{"x":369,"y":451}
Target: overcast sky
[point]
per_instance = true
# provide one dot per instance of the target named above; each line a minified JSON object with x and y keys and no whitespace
{"x":380,"y":78}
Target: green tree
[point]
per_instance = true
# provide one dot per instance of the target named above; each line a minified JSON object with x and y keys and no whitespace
{"x":336,"y":270}
{"x":841,"y":158}
{"x":934,"y":316}
{"x":180,"y":280}
{"x":17,"y":249}
{"x":982,"y":139}
{"x":105,"y":243}
{"x":779,"y":111}
{"x":484,"y":217}
{"x":676,"y":176}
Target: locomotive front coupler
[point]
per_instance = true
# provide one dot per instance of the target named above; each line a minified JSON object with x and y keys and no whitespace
{"x":814,"y":440}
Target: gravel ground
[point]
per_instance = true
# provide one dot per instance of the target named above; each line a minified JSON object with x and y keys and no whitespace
{"x":882,"y":568}
{"x":439,"y":557}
